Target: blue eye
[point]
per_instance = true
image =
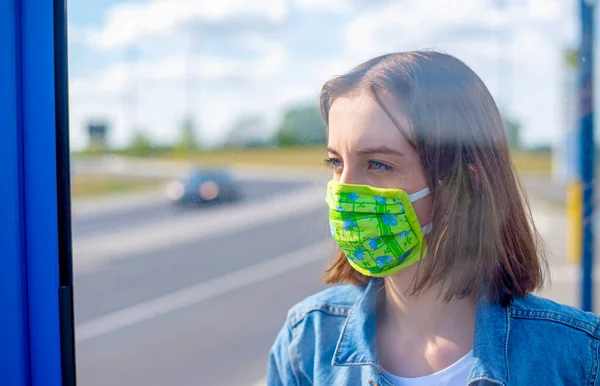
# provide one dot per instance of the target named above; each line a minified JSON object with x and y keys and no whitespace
{"x":376,"y":165}
{"x":333,"y":163}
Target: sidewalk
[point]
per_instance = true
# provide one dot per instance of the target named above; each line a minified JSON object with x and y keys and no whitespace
{"x":544,"y":187}
{"x":551,"y":223}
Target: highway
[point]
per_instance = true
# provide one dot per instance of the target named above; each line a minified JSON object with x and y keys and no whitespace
{"x":254,"y":191}
{"x":222,"y":339}
{"x":166,"y":296}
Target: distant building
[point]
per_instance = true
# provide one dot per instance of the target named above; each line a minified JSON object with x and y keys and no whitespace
{"x":97,"y":136}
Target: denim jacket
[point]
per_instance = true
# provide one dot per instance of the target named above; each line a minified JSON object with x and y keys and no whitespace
{"x":329,"y":339}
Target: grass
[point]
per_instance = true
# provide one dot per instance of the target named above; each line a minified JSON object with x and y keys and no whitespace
{"x":308,"y":158}
{"x":311,"y":157}
{"x":98,"y":185}
{"x":532,"y":162}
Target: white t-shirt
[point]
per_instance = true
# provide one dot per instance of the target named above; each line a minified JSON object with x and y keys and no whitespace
{"x":454,"y":375}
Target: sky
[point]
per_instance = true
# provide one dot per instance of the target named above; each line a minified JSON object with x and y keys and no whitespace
{"x":146,"y":64}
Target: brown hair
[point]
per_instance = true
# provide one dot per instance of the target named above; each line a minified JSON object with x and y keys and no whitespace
{"x":483,"y":235}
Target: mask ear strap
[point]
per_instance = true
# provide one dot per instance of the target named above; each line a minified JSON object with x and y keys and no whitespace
{"x":426,"y":229}
{"x":419,"y":195}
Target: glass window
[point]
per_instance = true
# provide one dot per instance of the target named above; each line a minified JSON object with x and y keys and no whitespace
{"x":199,"y":182}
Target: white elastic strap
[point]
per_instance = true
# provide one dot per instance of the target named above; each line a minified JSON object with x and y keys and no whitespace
{"x":419,"y":195}
{"x":426,"y":229}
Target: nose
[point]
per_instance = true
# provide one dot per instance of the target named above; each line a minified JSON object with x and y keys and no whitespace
{"x":351,"y":176}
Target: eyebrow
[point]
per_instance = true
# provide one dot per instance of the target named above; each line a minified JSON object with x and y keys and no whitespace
{"x":373,"y":150}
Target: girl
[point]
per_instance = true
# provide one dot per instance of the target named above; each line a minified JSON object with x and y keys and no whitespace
{"x":437,"y":249}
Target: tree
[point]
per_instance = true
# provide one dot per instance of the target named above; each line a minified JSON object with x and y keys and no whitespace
{"x":188,"y":142}
{"x":513,"y":130}
{"x":302,"y":125}
{"x":141,"y":145}
{"x":247,"y":131}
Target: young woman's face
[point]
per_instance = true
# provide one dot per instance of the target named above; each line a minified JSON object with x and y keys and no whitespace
{"x":366,"y":148}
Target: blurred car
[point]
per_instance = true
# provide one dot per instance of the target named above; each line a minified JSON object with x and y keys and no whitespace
{"x":203,"y":187}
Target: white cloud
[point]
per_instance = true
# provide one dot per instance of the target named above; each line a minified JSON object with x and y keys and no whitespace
{"x":416,"y":24}
{"x":116,"y":78}
{"x":76,"y":34}
{"x":129,"y":23}
{"x":337,"y":6}
{"x":547,"y":9}
{"x":536,"y":33}
{"x":228,"y":86}
{"x":155,"y":89}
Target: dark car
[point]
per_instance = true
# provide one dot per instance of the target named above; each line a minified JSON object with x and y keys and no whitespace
{"x":203,"y":187}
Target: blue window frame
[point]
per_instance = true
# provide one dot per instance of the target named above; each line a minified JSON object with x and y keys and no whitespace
{"x":36,"y":326}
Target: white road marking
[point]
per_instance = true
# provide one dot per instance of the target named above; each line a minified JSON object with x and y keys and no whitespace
{"x":186,"y":297}
{"x":93,"y":251}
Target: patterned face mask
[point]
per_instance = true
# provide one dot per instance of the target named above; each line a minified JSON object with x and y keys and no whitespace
{"x":377,"y":229}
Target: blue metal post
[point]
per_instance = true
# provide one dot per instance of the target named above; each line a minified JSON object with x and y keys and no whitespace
{"x":35,"y":277}
{"x":14,"y":329}
{"x":587,"y":148}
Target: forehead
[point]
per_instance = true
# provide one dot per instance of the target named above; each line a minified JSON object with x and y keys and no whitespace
{"x":359,"y":121}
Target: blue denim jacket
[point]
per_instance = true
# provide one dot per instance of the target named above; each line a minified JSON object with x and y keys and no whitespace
{"x":329,"y":339}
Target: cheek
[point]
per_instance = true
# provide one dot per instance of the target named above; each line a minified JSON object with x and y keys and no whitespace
{"x":423,"y":208}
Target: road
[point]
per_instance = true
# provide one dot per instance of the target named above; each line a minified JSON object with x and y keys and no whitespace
{"x":222,"y":340}
{"x":170,"y":297}
{"x":254,"y":191}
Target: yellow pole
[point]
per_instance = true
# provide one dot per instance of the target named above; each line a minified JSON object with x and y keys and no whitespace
{"x":574,"y":187}
{"x":574,"y":218}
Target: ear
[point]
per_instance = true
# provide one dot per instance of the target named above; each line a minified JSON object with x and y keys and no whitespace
{"x":475,"y":176}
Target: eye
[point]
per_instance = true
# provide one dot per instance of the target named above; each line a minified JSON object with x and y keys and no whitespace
{"x":333,"y":163}
{"x":376,"y":165}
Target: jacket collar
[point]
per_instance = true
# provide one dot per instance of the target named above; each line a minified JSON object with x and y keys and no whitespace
{"x":356,"y":345}
{"x":490,"y":347}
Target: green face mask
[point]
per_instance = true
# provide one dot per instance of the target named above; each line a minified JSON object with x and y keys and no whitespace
{"x":377,"y":229}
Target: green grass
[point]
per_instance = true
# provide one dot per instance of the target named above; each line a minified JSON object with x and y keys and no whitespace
{"x":98,"y":185}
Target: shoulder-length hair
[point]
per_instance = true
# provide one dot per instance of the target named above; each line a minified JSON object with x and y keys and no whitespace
{"x":483,"y":237}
